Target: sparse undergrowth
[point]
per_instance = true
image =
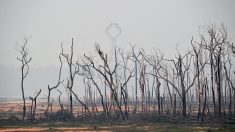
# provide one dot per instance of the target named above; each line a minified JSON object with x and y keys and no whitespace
{"x":129,"y":125}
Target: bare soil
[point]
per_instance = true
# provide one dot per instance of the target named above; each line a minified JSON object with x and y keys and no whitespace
{"x":160,"y":127}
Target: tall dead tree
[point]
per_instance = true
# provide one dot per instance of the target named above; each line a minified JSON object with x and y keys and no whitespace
{"x":214,"y":41}
{"x":142,"y":82}
{"x":123,"y":87}
{"x":136,"y":61}
{"x":231,"y":85}
{"x":25,"y":60}
{"x":54,"y":87}
{"x":108,"y":73}
{"x":91,"y":76}
{"x":154,"y":61}
{"x":181,"y":69}
{"x":197,"y":51}
{"x":73,"y":71}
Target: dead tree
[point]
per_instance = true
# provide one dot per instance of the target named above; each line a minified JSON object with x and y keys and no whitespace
{"x":231,"y":85}
{"x":31,"y":107}
{"x":123,"y":87}
{"x":61,"y":105}
{"x":181,"y":69}
{"x":25,"y":60}
{"x":228,"y":75}
{"x":168,"y":88}
{"x":90,"y":98}
{"x":214,"y":41}
{"x":73,"y":71}
{"x":108,"y":74}
{"x":154,"y":61}
{"x":211,"y":47}
{"x":142,"y":83}
{"x":136,"y":61}
{"x":218,"y":79}
{"x":90,"y":75}
{"x":197,"y":51}
{"x":34,"y":105}
{"x":205,"y":90}
{"x":54,"y":87}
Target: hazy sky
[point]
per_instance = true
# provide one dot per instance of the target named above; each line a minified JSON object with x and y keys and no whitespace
{"x":147,"y":23}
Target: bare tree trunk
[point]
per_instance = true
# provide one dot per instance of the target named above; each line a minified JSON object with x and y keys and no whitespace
{"x":105,"y":109}
{"x":124,"y":96}
{"x":142,"y":85}
{"x":35,"y":103}
{"x":22,"y":89}
{"x":24,"y":69}
{"x":198,"y":80}
{"x":162,"y":98}
{"x":205,"y":100}
{"x":158,"y":96}
{"x":51,"y":107}
{"x":212,"y":83}
{"x":136,"y":76}
{"x":136,"y":85}
{"x":231,"y":87}
{"x":54,"y":87}
{"x":174,"y":104}
{"x":183,"y":97}
{"x":169,"y":92}
{"x":230,"y":101}
{"x":219,"y":84}
{"x":73,"y":70}
{"x":31,"y":108}
{"x":184,"y":105}
{"x":61,"y":105}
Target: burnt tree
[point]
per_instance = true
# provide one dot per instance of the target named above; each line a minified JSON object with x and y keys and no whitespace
{"x":54,"y":87}
{"x":25,"y":60}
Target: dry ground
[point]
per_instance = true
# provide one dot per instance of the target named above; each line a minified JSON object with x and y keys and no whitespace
{"x":159,"y":127}
{"x":128,"y":127}
{"x":15,"y":107}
